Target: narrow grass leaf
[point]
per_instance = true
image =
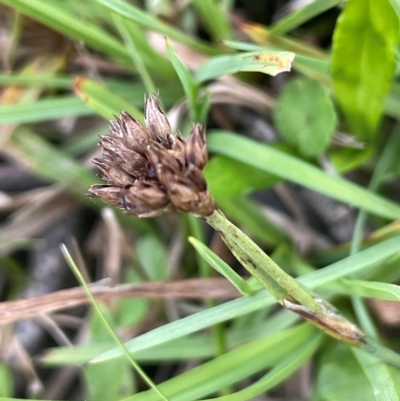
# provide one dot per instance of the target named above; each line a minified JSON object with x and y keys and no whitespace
{"x":312,"y":66}
{"x":107,"y":325}
{"x":302,"y":15}
{"x":68,"y":24}
{"x":267,"y":62}
{"x":367,"y":289}
{"x":214,"y":17}
{"x":221,"y":267}
{"x":278,"y":373}
{"x":43,"y":110}
{"x":276,"y":162}
{"x":147,"y":20}
{"x":105,"y":379}
{"x":354,"y":264}
{"x":43,"y":81}
{"x":231,"y":367}
{"x":102,"y":100}
{"x":188,"y":83}
{"x":51,"y":163}
{"x":384,"y":384}
{"x":129,"y":34}
{"x":363,"y":62}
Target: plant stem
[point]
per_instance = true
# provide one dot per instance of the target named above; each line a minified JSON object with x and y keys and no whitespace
{"x":288,"y":292}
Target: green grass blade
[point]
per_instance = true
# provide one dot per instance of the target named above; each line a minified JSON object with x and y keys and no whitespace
{"x":276,"y":162}
{"x":354,"y":264}
{"x":148,"y":21}
{"x":59,"y":19}
{"x":214,"y":17}
{"x":232,"y":366}
{"x":367,"y":289}
{"x":188,"y":83}
{"x":279,"y":373}
{"x":136,"y":55}
{"x":107,"y":325}
{"x":379,"y":375}
{"x":302,"y":15}
{"x":102,"y":100}
{"x":43,"y":81}
{"x":51,"y":163}
{"x":222,"y":267}
{"x":267,"y":62}
{"x":43,"y":110}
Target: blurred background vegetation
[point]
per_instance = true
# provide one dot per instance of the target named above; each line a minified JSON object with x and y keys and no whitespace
{"x":301,"y":100}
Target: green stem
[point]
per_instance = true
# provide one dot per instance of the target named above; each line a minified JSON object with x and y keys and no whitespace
{"x":274,"y":279}
{"x":291,"y":294}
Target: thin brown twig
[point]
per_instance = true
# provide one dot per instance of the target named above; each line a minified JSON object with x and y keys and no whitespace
{"x":217,"y":288}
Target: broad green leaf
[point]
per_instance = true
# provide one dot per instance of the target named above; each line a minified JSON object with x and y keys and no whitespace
{"x":283,"y":165}
{"x":305,"y":116}
{"x":363,"y":62}
{"x":242,"y":177}
{"x":267,"y":62}
{"x":102,"y":100}
{"x":396,"y":6}
{"x":341,"y":377}
{"x":354,"y":264}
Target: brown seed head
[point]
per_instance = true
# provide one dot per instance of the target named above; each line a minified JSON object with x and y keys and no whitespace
{"x":156,"y":121}
{"x":149,"y":170}
{"x":195,"y":149}
{"x":135,"y":135}
{"x":145,"y":199}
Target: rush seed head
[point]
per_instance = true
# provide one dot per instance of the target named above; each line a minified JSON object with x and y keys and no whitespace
{"x":149,"y":170}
